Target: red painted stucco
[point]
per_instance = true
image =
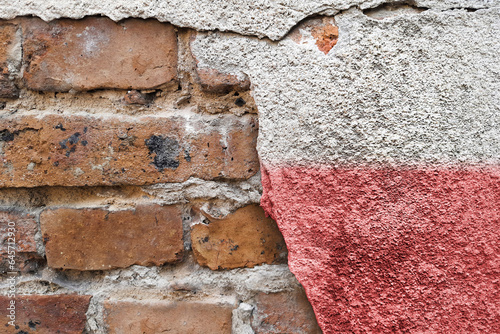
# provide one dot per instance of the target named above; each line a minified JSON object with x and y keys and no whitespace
{"x":392,"y":250}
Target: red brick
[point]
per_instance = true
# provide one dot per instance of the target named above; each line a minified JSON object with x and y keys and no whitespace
{"x":9,"y":43}
{"x":46,"y":314}
{"x":322,"y":29}
{"x":88,"y":150}
{"x":19,"y":229}
{"x":284,"y":312}
{"x":152,"y":317}
{"x":96,"y":53}
{"x":97,"y":239}
{"x":214,"y":81}
{"x":243,"y":239}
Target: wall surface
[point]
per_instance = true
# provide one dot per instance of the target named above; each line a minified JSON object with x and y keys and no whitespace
{"x":136,"y":175}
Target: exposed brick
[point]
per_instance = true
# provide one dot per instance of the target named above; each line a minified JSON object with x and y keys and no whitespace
{"x":284,"y":312}
{"x":214,"y":81}
{"x":323,"y":30}
{"x":96,"y":53}
{"x":89,"y":150}
{"x":96,"y":239}
{"x":151,"y":317}
{"x":243,"y":239}
{"x":18,"y":229}
{"x":10,"y":48}
{"x":46,"y":314}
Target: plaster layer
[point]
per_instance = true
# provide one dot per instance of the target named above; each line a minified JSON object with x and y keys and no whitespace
{"x":263,"y":18}
{"x":412,"y":89}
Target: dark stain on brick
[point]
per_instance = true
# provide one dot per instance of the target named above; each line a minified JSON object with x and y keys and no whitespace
{"x":6,"y":135}
{"x":69,"y":144}
{"x":240,"y":102}
{"x":32,"y":324}
{"x":187,"y":157}
{"x":72,"y":140}
{"x":166,"y":152}
{"x":60,"y":127}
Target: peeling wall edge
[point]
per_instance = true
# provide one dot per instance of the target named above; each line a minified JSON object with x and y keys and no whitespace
{"x":250,"y":18}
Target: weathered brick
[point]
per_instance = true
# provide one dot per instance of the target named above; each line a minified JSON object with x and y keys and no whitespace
{"x":90,"y":150}
{"x":151,"y":317}
{"x":17,"y":230}
{"x":243,"y":239}
{"x":97,"y":239}
{"x":96,"y":53}
{"x":46,"y":314}
{"x":10,"y":54}
{"x":214,"y":81}
{"x":284,"y":312}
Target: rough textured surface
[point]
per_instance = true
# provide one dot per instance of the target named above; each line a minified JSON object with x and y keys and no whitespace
{"x":214,"y":81}
{"x":262,"y":17}
{"x":85,"y":150}
{"x":96,"y":53}
{"x":402,"y":113}
{"x":185,"y":281}
{"x":238,"y":194}
{"x":97,"y":239}
{"x":10,"y":57}
{"x":244,"y":238}
{"x":321,"y":31}
{"x":393,"y":250}
{"x":17,"y":230}
{"x":47,"y":314}
{"x":284,"y":313}
{"x":24,"y":228}
{"x":407,"y":89}
{"x":173,"y":317}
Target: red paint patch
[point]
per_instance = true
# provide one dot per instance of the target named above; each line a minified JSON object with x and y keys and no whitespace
{"x":393,"y":250}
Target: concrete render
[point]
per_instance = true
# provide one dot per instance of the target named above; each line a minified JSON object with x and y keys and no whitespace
{"x":410,"y":89}
{"x":262,"y":18}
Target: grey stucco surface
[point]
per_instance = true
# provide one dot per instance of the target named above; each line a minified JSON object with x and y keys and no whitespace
{"x":263,"y":18}
{"x":410,"y":89}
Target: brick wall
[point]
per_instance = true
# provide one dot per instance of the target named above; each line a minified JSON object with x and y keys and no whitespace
{"x":130,"y":186}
